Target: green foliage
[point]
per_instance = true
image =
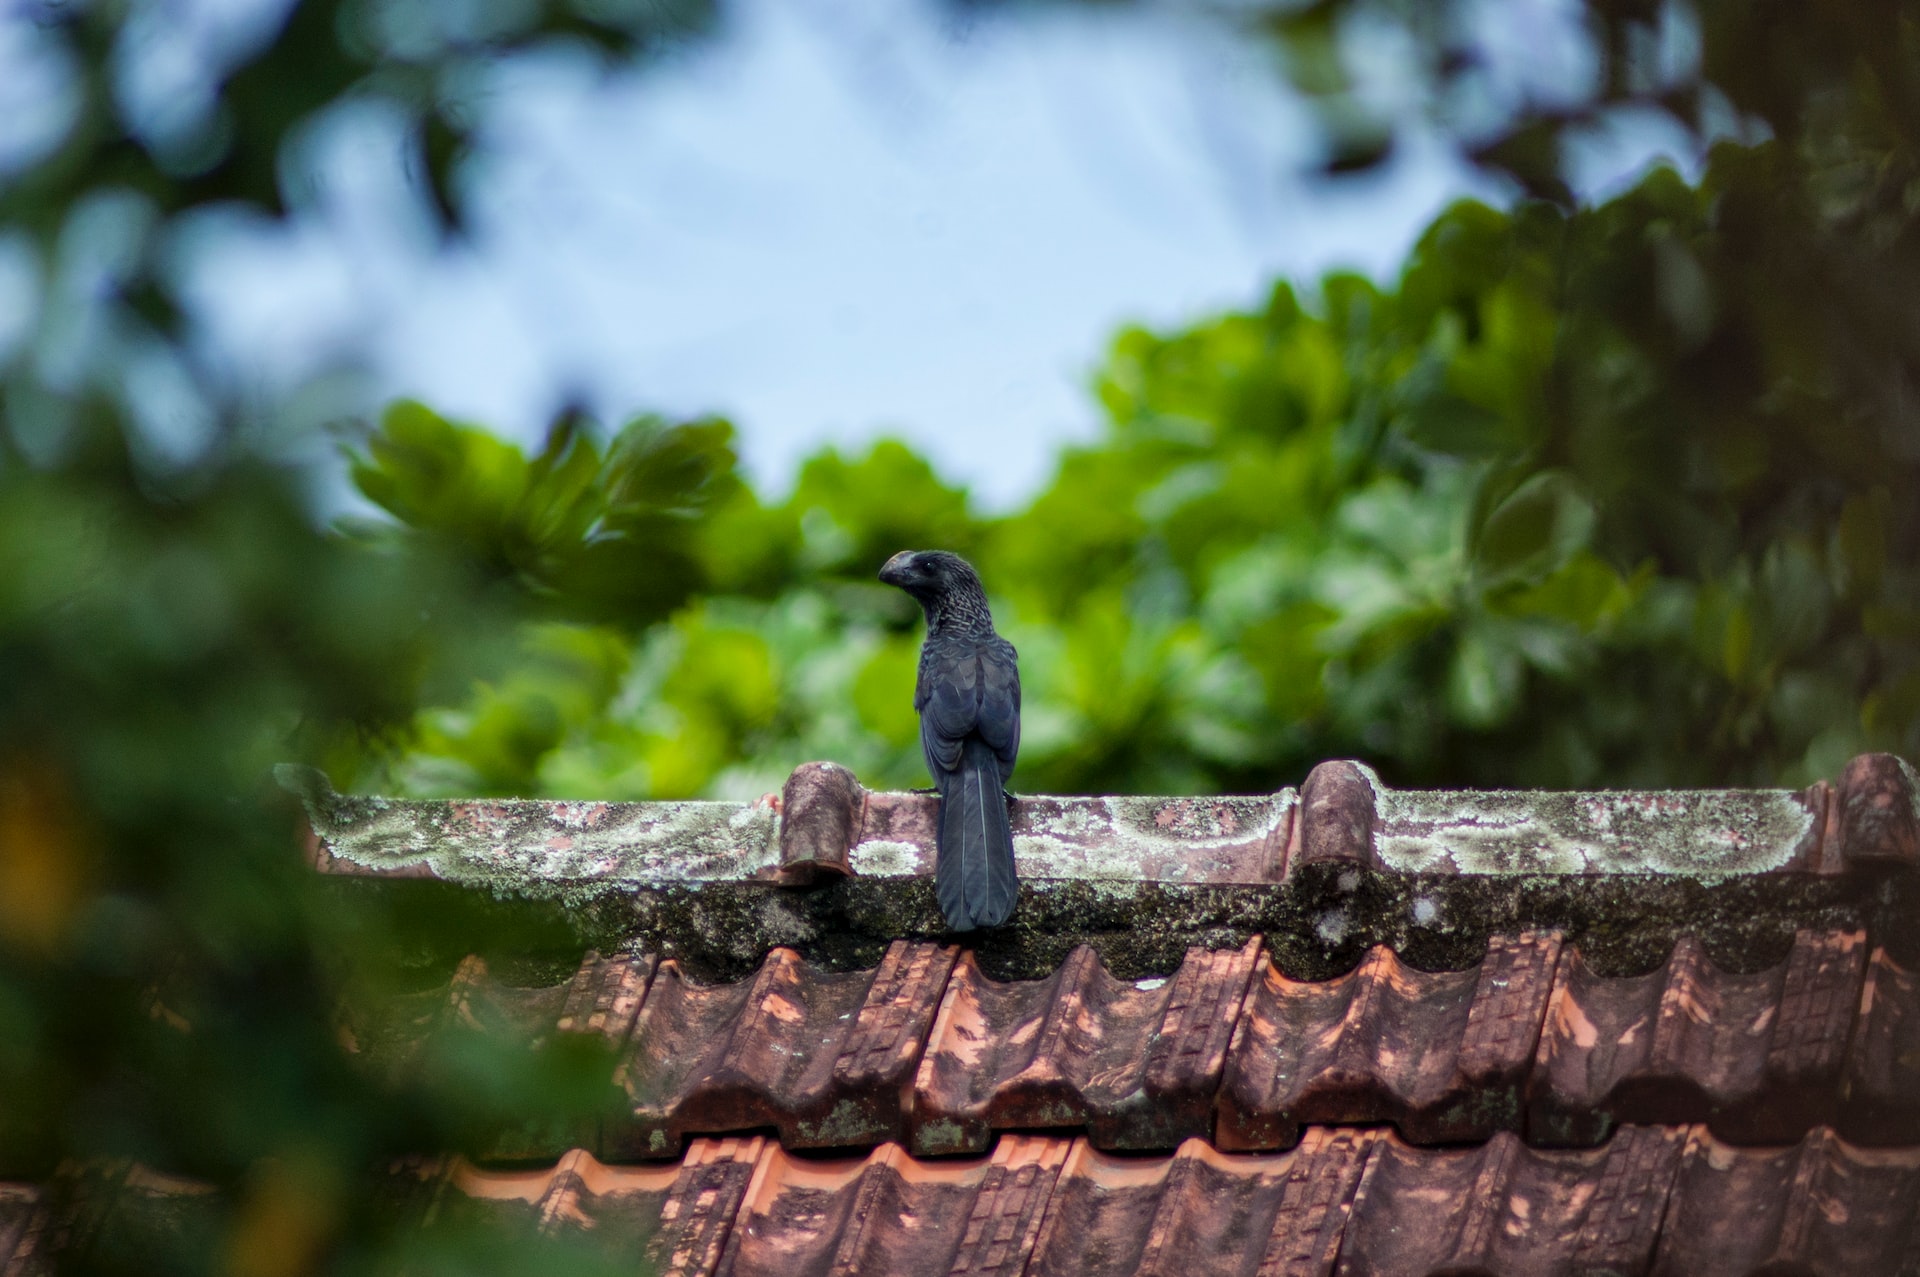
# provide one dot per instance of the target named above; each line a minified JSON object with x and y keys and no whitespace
{"x":599,"y":533}
{"x":853,"y":514}
{"x":1487,"y":527}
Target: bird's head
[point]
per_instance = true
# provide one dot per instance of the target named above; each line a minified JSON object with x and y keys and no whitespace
{"x":930,"y":575}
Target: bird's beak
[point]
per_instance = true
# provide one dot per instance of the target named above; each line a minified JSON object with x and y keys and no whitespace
{"x":898,"y":568}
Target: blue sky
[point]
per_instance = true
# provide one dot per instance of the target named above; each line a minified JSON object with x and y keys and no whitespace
{"x":836,"y":222}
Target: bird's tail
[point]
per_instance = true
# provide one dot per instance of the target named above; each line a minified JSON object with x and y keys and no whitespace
{"x":973,"y":876}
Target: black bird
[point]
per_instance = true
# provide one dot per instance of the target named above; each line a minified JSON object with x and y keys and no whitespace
{"x":968,"y":698}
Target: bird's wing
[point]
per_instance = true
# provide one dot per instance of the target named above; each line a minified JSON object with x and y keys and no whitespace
{"x":973,"y":691}
{"x":998,"y":715}
{"x":950,"y":705}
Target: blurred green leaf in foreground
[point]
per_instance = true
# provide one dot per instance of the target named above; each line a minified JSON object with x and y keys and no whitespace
{"x":175,"y":620}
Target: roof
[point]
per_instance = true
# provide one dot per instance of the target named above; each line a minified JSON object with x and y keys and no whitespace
{"x":1398,"y":1033}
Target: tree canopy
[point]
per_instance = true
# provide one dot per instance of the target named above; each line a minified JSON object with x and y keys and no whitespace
{"x":1551,"y":511}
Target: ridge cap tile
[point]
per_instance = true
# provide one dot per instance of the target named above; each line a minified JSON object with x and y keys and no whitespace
{"x":826,"y":824}
{"x":1878,"y":801}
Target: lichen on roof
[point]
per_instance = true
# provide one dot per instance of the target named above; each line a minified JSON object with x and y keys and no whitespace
{"x":1144,"y":839}
{"x":529,"y":847}
{"x":1703,"y":834}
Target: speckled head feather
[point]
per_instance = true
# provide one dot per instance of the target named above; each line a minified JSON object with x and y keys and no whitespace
{"x":946,"y":587}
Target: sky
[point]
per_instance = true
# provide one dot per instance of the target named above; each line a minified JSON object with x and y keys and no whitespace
{"x":836,"y":222}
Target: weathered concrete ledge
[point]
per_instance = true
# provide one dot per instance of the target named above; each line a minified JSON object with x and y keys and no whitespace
{"x":838,"y":871}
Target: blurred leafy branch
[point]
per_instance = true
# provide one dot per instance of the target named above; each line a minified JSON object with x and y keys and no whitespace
{"x":175,"y":619}
{"x":1591,"y":495}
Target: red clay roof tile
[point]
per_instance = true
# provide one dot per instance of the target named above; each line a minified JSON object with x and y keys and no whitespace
{"x":1665,"y":1201}
{"x":1135,"y":1063}
{"x":1501,"y":1207}
{"x":821,"y":810}
{"x":675,"y":1216}
{"x":420,"y":1035}
{"x":889,"y":1213}
{"x":1878,"y":802}
{"x":1821,"y":1207}
{"x":109,"y":1214}
{"x":394,"y":1032}
{"x":1426,"y":1114}
{"x":1881,"y":1090}
{"x":1758,"y":1057}
{"x":1442,"y":1055}
{"x":823,"y":1056}
{"x":23,"y":1218}
{"x":1228,"y":1047}
{"x":1202,"y":1213}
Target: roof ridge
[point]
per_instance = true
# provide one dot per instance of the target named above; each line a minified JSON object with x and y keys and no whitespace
{"x":1344,"y":864}
{"x":825,"y":823}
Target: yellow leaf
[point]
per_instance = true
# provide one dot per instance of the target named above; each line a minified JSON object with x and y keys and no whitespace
{"x":44,"y":865}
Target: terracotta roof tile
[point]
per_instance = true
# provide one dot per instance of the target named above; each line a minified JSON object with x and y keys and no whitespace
{"x":1442,"y":1055}
{"x":23,"y":1220}
{"x":393,"y":1034}
{"x":604,"y":996}
{"x":1532,"y":1040}
{"x":108,"y":1216}
{"x":822,"y":808}
{"x":1661,"y":1200}
{"x":888,"y":1213}
{"x":1337,"y":816}
{"x":420,"y":1034}
{"x":1759,"y":1057}
{"x":1135,"y":1063}
{"x":1882,"y":1085}
{"x":620,"y":1204}
{"x":1202,"y":1212}
{"x":676,"y":1216}
{"x":1501,"y":1207}
{"x":1878,"y":804}
{"x":1821,"y":1207}
{"x":823,"y":1056}
{"x":699,"y":1212}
